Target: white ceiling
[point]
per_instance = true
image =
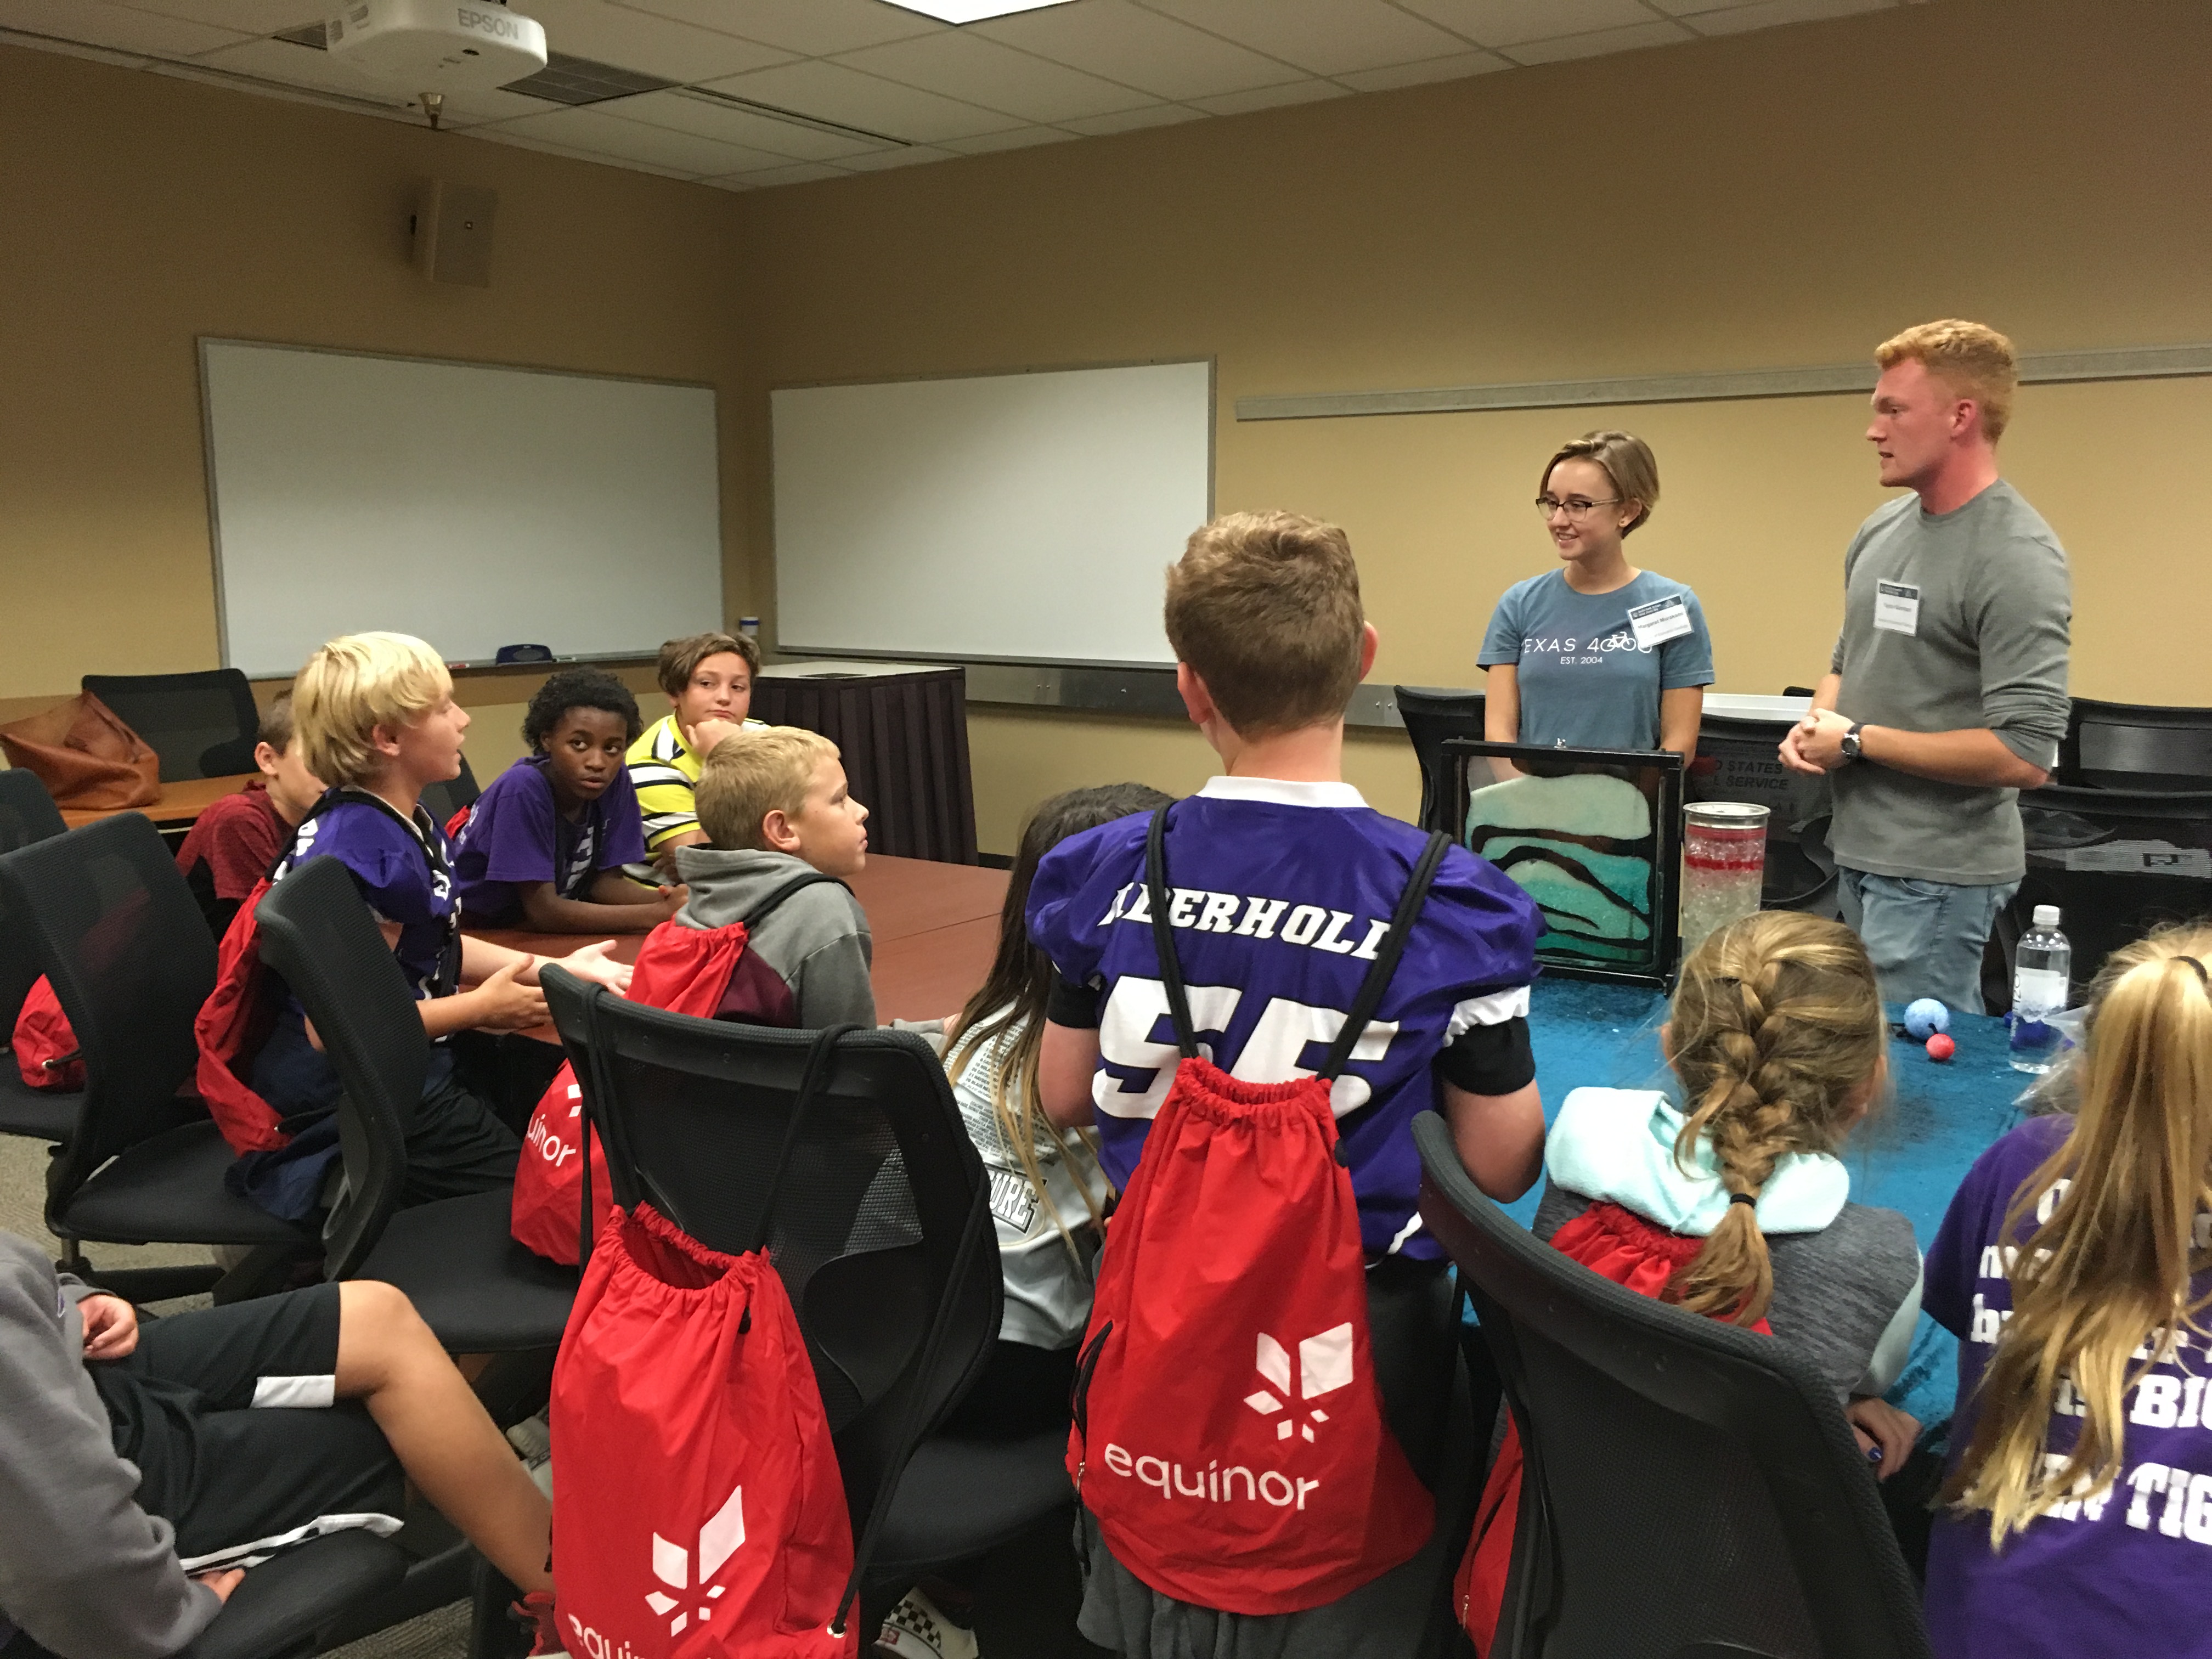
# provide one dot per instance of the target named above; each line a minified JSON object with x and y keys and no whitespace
{"x":833,"y":87}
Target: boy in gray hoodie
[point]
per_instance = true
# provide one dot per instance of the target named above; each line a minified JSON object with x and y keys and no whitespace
{"x":783,"y":834}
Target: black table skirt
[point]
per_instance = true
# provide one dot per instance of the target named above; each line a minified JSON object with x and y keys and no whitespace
{"x":905,"y":740}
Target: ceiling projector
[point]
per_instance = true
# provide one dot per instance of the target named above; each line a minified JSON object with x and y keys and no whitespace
{"x":435,"y":46}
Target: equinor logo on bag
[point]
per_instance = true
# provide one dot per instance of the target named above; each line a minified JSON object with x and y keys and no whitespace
{"x":718,"y":1541}
{"x":1324,"y":1366}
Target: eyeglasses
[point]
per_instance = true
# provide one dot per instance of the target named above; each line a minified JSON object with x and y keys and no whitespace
{"x":1574,"y":508}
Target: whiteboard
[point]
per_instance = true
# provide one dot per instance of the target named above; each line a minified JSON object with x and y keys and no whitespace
{"x":1023,"y":517}
{"x":472,"y":506}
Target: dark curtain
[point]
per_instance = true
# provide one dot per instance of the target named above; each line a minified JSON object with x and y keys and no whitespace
{"x":904,"y":741}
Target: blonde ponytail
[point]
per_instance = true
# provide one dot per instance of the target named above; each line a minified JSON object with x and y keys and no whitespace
{"x":2103,"y":1285}
{"x":1777,"y":1028}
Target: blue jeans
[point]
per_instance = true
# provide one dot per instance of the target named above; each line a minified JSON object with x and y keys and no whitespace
{"x":1926,"y":937}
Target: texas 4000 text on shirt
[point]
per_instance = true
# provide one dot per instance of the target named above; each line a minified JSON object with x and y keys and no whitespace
{"x":1280,"y":896}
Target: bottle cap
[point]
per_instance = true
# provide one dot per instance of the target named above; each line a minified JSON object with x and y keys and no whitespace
{"x":2046,"y":915}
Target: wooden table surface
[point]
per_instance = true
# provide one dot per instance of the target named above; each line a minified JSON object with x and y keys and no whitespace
{"x":935,"y":927}
{"x":180,"y":802}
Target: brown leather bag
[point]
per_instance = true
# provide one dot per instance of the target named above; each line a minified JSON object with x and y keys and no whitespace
{"x":85,"y":756}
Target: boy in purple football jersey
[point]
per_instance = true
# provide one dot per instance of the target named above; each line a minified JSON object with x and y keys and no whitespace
{"x":376,"y":717}
{"x":1285,"y":881}
{"x":544,"y":846}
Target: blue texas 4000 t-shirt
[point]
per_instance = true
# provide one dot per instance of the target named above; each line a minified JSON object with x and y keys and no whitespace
{"x":1586,"y":680}
{"x":1281,"y":894}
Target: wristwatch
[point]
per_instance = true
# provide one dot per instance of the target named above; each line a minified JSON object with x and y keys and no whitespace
{"x":1848,"y":743}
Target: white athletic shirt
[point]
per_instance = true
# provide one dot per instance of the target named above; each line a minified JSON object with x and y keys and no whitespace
{"x":1048,"y":1295}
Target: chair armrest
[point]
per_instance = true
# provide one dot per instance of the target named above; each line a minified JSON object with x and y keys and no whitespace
{"x":276,"y":1612}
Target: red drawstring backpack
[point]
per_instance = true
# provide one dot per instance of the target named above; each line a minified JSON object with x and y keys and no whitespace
{"x":45,"y":1047}
{"x":685,"y":970}
{"x":1615,"y":1243}
{"x":1228,"y":1433}
{"x":698,"y":1512}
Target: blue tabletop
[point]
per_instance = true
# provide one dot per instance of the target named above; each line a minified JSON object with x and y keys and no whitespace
{"x":1908,"y":1157}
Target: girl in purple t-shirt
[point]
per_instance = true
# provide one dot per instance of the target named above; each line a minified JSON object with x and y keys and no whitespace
{"x":2073,"y":1268}
{"x":544,"y":846}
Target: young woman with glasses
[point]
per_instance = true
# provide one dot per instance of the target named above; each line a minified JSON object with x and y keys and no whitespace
{"x":1597,"y":653}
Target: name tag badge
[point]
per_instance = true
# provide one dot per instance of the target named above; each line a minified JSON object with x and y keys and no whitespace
{"x":1660,"y":620}
{"x":1897,"y":608}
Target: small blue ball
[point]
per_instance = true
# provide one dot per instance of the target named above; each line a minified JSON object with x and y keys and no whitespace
{"x":1926,"y":1017}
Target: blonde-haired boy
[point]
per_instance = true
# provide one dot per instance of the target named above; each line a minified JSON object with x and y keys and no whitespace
{"x":374,"y":717}
{"x":1946,"y":694}
{"x":783,"y":833}
{"x":1285,"y":884}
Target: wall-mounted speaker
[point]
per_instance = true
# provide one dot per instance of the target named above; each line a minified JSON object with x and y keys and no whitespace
{"x":452,"y":233}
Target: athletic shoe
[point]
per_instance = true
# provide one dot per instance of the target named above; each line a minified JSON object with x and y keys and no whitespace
{"x":915,"y":1629}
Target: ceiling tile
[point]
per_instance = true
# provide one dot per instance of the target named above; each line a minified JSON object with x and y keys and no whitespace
{"x":682,"y":112}
{"x":831,"y":92}
{"x":639,"y":40}
{"x":1115,"y":39}
{"x":1765,"y":14}
{"x":463,"y":109}
{"x":1152,"y":115}
{"x":1508,"y":22}
{"x":983,"y":71}
{"x":237,"y":16}
{"x":119,"y":28}
{"x":1020,"y":138}
{"x":798,"y":172}
{"x":1429,"y":69}
{"x":1294,"y":92}
{"x":812,"y":28}
{"x":1599,"y":42}
{"x":529,"y":141}
{"x":603,"y":134}
{"x":906,"y":155}
{"x":1322,"y":37}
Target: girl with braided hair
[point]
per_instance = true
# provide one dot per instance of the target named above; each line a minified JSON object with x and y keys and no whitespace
{"x":1733,"y":1201}
{"x":1780,"y":1046}
{"x":2074,"y":1267}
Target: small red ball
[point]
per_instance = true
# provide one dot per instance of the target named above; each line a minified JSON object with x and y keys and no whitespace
{"x":1940,"y":1047}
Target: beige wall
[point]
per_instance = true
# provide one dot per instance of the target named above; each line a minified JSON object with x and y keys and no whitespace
{"x":144,"y":212}
{"x":1785,"y":198}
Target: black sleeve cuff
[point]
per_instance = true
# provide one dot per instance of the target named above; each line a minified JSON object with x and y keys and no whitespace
{"x":1075,"y":1005}
{"x":1490,"y":1060}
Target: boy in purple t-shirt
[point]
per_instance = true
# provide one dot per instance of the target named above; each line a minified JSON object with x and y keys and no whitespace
{"x":1285,"y":881}
{"x":2066,"y":1259}
{"x":376,"y":716}
{"x":544,"y":846}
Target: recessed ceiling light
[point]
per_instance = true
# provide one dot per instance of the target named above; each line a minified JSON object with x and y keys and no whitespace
{"x":973,"y":11}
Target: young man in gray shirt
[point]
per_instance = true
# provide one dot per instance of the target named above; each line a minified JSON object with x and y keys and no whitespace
{"x":1947,"y":693}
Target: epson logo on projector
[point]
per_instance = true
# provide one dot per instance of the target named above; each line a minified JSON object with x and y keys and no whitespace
{"x":497,"y":24}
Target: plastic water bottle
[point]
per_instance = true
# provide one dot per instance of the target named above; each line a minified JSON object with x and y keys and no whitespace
{"x":2039,"y":991}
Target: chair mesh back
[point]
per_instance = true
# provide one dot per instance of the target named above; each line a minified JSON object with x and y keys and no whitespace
{"x":882,"y":1186}
{"x":442,"y":800}
{"x":117,"y":932}
{"x":182,"y":716}
{"x":319,"y":935}
{"x":1689,"y":1486}
{"x":27,"y":812}
{"x":1432,"y":719}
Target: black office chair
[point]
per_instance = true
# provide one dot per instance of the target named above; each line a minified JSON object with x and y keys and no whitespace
{"x":444,"y":799}
{"x":2136,"y":746}
{"x":881,"y":1235}
{"x":1640,"y":1422}
{"x":28,"y":814}
{"x":457,"y":1259}
{"x":115,"y":929}
{"x":1432,"y":719}
{"x":188,"y":719}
